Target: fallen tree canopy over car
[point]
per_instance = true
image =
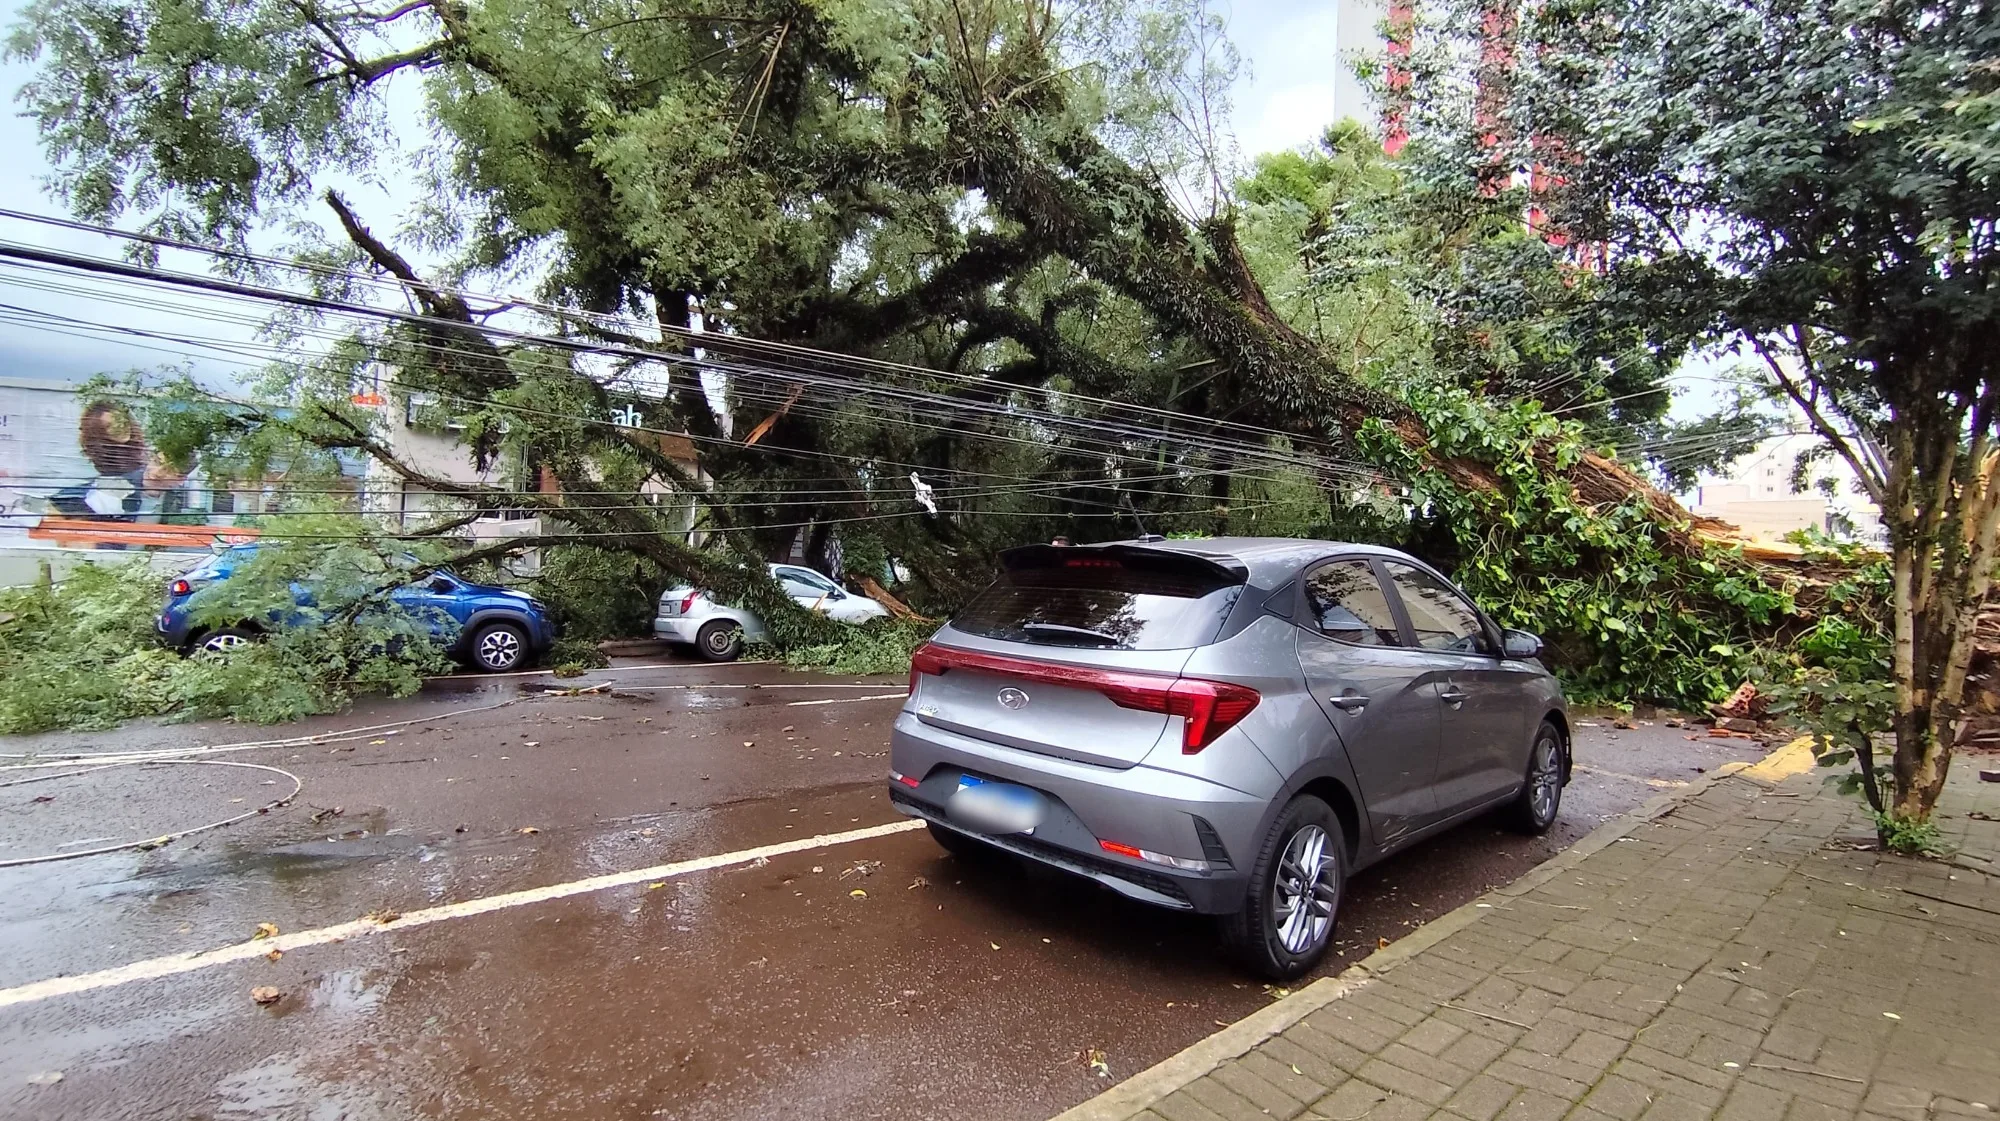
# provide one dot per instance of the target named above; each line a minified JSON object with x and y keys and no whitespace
{"x":978,"y":255}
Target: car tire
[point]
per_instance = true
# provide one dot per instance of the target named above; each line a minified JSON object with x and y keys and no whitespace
{"x":223,"y":640}
{"x":963,"y":847}
{"x":1303,"y":861}
{"x":1540,"y":800}
{"x":720,"y":641}
{"x":497,"y":648}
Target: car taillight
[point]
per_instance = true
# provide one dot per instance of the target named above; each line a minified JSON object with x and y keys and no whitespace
{"x":1209,"y":708}
{"x":180,"y":587}
{"x":1206,"y":708}
{"x":927,"y":659}
{"x":687,"y":602}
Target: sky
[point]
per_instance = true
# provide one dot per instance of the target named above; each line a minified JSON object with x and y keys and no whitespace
{"x":1287,"y":96}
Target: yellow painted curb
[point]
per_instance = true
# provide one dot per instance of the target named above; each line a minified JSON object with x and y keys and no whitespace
{"x":1795,"y":758}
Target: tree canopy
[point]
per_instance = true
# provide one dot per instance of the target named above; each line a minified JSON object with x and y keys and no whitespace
{"x":1005,"y":231}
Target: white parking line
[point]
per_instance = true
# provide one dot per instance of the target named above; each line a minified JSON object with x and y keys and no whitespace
{"x":848,"y":700}
{"x":242,"y":951}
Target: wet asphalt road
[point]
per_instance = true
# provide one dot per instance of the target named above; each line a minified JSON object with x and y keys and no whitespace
{"x":746,"y":992}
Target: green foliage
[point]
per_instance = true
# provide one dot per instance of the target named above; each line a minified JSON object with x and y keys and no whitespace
{"x":574,"y":652}
{"x":83,"y":654}
{"x":1912,"y":838}
{"x":1626,"y":613}
{"x":883,"y":646}
{"x":597,"y":594}
{"x":1833,"y":680}
{"x":79,"y":653}
{"x":1417,"y":277}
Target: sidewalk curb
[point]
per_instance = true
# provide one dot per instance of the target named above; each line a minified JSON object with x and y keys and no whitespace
{"x":1142,"y":1090}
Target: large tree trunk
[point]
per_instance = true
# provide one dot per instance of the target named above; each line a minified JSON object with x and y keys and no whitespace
{"x":1943,"y":569}
{"x":1084,"y":203}
{"x":1923,"y":729}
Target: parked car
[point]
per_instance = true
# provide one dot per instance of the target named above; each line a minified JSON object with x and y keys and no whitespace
{"x":1230,"y":726}
{"x":718,"y":632}
{"x":488,"y":628}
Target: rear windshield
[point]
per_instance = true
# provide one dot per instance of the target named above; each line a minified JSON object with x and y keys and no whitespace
{"x":1094,"y":601}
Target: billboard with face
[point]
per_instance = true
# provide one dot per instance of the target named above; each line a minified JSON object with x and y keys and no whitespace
{"x":77,"y":472}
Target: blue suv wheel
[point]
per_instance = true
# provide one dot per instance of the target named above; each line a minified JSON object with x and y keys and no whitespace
{"x":499,"y":647}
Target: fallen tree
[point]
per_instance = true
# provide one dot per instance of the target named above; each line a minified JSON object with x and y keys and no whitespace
{"x":990,"y":198}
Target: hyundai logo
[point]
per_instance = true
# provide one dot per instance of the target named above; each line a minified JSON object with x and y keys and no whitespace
{"x":1013,"y":698}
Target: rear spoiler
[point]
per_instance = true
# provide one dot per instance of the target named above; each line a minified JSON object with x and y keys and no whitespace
{"x":1221,"y":566}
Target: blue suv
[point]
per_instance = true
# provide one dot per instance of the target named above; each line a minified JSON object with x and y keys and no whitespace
{"x":491,"y":629}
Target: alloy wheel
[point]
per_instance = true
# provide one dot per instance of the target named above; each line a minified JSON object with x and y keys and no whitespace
{"x":1545,"y":778}
{"x":499,"y":649}
{"x":1306,"y":890}
{"x":224,"y":643}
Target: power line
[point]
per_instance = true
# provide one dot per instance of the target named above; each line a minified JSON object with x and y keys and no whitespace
{"x":1256,"y":452}
{"x":1011,"y":412}
{"x":691,"y":337}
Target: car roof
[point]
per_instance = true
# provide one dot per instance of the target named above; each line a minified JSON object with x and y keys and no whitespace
{"x":1270,"y":560}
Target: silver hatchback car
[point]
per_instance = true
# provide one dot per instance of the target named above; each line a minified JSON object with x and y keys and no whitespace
{"x":1230,"y":726}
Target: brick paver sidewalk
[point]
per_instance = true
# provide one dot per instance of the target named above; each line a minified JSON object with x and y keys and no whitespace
{"x":1731,"y":958}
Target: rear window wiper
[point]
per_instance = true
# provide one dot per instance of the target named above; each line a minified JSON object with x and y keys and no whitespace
{"x":1059,"y":632}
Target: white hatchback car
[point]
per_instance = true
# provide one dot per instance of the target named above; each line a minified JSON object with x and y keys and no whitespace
{"x":718,"y":631}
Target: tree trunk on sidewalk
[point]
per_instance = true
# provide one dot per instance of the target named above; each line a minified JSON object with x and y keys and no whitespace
{"x":1943,"y":523}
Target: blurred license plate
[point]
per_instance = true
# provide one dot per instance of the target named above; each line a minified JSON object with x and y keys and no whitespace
{"x":995,"y":807}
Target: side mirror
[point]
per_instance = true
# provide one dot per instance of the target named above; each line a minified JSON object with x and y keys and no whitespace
{"x":1521,"y":644}
{"x":441,"y":584}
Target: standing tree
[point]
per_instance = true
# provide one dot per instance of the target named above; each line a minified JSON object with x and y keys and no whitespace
{"x":1820,"y":179}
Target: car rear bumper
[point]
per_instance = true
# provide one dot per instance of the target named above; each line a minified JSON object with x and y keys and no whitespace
{"x":1140,"y":807}
{"x":676,"y":628}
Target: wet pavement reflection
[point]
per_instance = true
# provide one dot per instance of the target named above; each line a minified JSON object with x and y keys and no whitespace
{"x":879,"y":978}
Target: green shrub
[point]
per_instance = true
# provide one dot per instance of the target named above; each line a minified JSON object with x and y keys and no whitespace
{"x":570,"y":650}
{"x":880,"y":647}
{"x":80,"y":654}
{"x":598,"y":593}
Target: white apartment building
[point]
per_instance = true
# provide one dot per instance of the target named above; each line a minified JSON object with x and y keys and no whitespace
{"x":1757,"y":495}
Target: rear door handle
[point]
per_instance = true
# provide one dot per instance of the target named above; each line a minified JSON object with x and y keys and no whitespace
{"x":1452,"y":697}
{"x":1349,"y":703}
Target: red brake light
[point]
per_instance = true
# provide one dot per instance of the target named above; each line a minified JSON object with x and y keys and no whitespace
{"x":1210,"y":708}
{"x":1206,"y":708}
{"x":687,"y":602}
{"x":1121,"y":849}
{"x":180,"y":587}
